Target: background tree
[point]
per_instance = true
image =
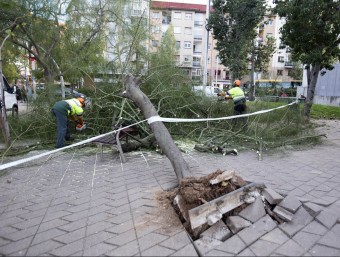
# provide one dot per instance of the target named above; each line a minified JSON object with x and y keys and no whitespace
{"x":233,"y":25}
{"x":55,"y":33}
{"x":296,"y":72}
{"x":312,"y":30}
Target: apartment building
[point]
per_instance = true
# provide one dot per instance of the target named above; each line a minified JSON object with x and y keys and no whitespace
{"x":280,"y":64}
{"x":188,"y":19}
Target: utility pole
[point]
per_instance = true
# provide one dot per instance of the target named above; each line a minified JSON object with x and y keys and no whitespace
{"x":205,"y":70}
{"x":216,"y":68}
{"x":252,"y":86}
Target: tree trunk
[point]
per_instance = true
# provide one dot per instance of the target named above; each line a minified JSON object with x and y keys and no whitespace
{"x":314,"y":74}
{"x":161,"y":133}
{"x":3,"y":116}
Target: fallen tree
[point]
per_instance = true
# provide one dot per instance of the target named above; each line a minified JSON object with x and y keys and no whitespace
{"x":161,"y":133}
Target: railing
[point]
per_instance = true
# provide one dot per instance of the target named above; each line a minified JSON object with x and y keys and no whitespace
{"x":196,"y":64}
{"x":198,"y":37}
{"x":199,"y":23}
{"x":288,"y":64}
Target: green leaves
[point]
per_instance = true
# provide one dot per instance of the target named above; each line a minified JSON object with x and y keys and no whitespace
{"x":233,"y":24}
{"x":312,"y":30}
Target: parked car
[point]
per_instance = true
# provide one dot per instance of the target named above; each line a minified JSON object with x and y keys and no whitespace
{"x":209,"y":91}
{"x":11,"y":102}
{"x":71,"y":93}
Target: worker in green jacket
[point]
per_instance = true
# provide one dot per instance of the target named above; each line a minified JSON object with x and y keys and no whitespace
{"x":64,"y":111}
{"x":239,"y":99}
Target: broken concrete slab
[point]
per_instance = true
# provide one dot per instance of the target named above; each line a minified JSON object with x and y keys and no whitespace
{"x":312,"y":208}
{"x":213,"y":217}
{"x":182,"y":206}
{"x":226,"y":175}
{"x":283,"y":213}
{"x":290,"y":203}
{"x":232,"y":245}
{"x":301,"y":219}
{"x":237,"y":223}
{"x":223,"y":204}
{"x":250,"y":234}
{"x":254,"y":211}
{"x":205,"y":244}
{"x":271,"y":196}
{"x":218,"y":231}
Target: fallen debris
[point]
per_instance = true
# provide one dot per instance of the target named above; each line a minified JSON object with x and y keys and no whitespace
{"x":220,"y":205}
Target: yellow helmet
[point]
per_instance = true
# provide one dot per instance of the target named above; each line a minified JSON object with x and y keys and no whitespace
{"x":237,"y":83}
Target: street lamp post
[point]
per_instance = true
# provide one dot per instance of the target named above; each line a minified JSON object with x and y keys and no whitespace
{"x":205,"y":70}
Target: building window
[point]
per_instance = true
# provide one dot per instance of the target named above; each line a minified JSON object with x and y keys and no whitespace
{"x":187,"y":58}
{"x":156,"y":15}
{"x":177,"y":30}
{"x":155,"y":43}
{"x":279,"y":72}
{"x":270,"y":22}
{"x":187,"y":44}
{"x":196,"y":72}
{"x":155,"y":29}
{"x":281,"y":59}
{"x":196,"y":61}
{"x":166,"y":17}
{"x":188,"y":30}
{"x":178,"y":45}
{"x":209,"y":46}
{"x":177,"y":15}
{"x":188,"y":16}
{"x":208,"y":60}
{"x":136,"y":12}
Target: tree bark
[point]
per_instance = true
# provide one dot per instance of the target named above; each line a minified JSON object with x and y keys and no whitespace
{"x":313,"y":78}
{"x":162,"y":135}
{"x":4,"y":126}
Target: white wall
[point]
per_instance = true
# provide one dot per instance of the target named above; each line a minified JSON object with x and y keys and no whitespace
{"x":327,"y":91}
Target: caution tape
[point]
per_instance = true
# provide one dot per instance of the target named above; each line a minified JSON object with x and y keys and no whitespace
{"x":149,"y":120}
{"x":21,"y":161}
{"x":158,"y":118}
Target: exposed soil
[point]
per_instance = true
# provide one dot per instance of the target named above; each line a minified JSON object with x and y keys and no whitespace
{"x":196,"y":191}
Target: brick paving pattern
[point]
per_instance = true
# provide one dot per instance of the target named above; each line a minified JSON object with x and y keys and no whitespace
{"x":76,"y":203}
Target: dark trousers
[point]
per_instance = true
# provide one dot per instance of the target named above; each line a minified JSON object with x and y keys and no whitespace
{"x":240,"y":108}
{"x":63,"y":131}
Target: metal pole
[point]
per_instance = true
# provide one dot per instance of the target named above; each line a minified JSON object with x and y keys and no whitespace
{"x":216,"y":68}
{"x":205,"y":70}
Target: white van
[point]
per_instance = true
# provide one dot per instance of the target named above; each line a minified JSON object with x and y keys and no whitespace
{"x":11,"y":103}
{"x":209,"y":91}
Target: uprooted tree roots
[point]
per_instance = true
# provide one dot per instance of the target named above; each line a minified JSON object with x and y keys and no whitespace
{"x":193,"y":192}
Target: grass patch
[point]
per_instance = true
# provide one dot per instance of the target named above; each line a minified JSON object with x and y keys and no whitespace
{"x":319,"y":111}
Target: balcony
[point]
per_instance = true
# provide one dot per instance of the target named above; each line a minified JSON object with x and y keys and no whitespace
{"x":198,"y":37}
{"x":199,"y":23}
{"x":187,"y":64}
{"x":196,"y":78}
{"x":288,"y":65}
{"x":196,"y":64}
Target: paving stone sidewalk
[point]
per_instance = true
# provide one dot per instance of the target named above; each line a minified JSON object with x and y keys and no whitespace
{"x":77,"y":204}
